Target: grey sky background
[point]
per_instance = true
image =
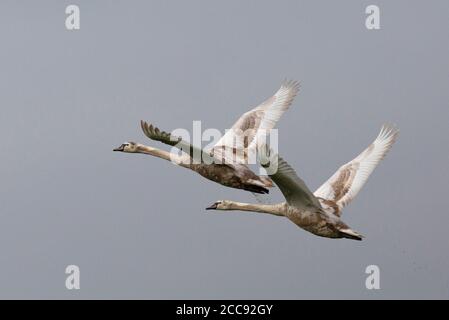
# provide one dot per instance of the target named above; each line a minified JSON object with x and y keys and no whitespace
{"x":136,"y":225}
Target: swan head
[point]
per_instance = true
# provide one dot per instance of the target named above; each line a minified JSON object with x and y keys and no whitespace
{"x":130,"y":147}
{"x":220,"y":205}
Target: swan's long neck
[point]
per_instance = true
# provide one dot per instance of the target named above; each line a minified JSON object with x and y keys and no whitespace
{"x":176,"y":159}
{"x":275,"y":209}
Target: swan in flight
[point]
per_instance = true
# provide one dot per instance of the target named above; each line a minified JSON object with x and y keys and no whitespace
{"x":319,"y":212}
{"x":231,"y":153}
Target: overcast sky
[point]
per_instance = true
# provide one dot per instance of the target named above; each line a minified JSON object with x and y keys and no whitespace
{"x":136,"y":225}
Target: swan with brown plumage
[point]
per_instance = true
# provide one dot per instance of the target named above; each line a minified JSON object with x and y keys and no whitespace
{"x":227,"y":161}
{"x":319,"y":212}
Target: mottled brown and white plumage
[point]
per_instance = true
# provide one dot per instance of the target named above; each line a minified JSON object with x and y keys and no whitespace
{"x":349,"y":179}
{"x":227,"y":160}
{"x":240,"y":142}
{"x":319,"y":212}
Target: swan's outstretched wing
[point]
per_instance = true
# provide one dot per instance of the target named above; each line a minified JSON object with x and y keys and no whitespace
{"x":292,"y":187}
{"x":165,"y":137}
{"x":344,"y":185}
{"x":240,"y":141}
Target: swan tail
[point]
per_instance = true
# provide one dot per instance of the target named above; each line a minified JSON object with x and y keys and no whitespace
{"x":350,"y":234}
{"x":255,"y":189}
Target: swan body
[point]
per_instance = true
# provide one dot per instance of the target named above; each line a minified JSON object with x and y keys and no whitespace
{"x":239,"y":177}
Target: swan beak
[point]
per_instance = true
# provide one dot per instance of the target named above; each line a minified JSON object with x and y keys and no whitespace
{"x":212,"y":207}
{"x":121,"y":148}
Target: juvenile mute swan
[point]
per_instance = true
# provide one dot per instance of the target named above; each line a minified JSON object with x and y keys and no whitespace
{"x":240,"y":141}
{"x":320,"y":212}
